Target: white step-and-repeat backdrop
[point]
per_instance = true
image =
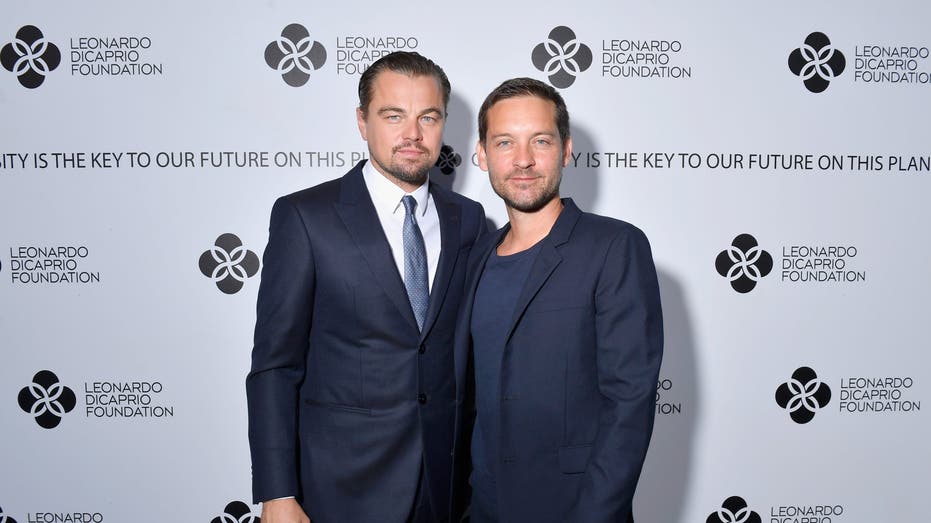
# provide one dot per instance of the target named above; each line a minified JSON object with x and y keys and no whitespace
{"x":776,"y":154}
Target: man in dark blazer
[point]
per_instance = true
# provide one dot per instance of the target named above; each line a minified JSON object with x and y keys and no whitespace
{"x":561,"y":333}
{"x":351,"y":394}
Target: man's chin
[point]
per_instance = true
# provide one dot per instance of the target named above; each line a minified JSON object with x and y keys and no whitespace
{"x":411,"y":174}
{"x":526,"y":207}
{"x":529,"y":205}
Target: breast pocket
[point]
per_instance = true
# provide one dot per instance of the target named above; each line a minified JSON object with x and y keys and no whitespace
{"x":574,"y":459}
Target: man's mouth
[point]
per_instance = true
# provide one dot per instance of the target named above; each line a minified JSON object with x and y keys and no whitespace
{"x":409,"y":150}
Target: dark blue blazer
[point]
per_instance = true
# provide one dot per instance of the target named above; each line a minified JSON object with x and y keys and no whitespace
{"x":578,"y":375}
{"x":346,"y":396}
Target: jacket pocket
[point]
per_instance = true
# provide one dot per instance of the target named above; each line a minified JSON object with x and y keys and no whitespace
{"x":574,"y":459}
{"x":336,"y":406}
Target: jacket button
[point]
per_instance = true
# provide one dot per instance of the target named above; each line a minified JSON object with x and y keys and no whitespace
{"x":422,"y":349}
{"x":422,"y":398}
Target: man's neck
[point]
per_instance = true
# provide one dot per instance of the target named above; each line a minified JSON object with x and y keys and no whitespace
{"x":528,"y":228}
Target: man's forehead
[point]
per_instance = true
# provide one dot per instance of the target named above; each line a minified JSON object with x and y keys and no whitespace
{"x":386,"y":78}
{"x":518,"y":109}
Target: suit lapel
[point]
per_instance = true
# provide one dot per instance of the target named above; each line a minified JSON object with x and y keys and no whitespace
{"x":357,"y":212}
{"x":449,"y":215}
{"x":547,"y":261}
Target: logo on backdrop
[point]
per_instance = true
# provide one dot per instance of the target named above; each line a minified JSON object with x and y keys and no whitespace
{"x":124,"y":55}
{"x":125,"y":399}
{"x":562,"y":56}
{"x":69,"y":517}
{"x":817,"y":62}
{"x":889,"y":395}
{"x":809,"y":513}
{"x":355,"y":53}
{"x":814,"y":264}
{"x":228,"y":263}
{"x":46,"y":399}
{"x":734,"y":510}
{"x":665,"y":406}
{"x":4,"y":518}
{"x":744,"y":263}
{"x":449,"y":159}
{"x":896,"y":64}
{"x":295,"y":55}
{"x":30,"y":56}
{"x":803,"y":395}
{"x":56,"y":264}
{"x":236,"y":512}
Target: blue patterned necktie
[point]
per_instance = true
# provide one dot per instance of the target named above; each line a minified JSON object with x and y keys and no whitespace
{"x":415,"y":262}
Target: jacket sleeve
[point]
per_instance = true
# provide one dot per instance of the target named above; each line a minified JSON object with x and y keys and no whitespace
{"x":283,"y":318}
{"x":629,"y":333}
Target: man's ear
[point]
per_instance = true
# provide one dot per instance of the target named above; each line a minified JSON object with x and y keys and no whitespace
{"x":360,"y":119}
{"x":480,"y":154}
{"x":567,"y":152}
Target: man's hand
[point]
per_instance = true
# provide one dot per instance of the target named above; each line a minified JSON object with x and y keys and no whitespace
{"x":284,"y":510}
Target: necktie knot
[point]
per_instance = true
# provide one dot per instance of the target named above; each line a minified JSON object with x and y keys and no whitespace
{"x":410,"y":205}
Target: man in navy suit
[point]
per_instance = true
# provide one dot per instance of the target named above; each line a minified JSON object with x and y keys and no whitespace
{"x":561,"y":331}
{"x":351,"y":393}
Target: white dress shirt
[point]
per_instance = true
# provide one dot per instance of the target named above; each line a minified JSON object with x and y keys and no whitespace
{"x":387,"y":199}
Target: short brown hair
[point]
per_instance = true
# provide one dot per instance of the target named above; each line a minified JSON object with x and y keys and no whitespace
{"x":403,"y":62}
{"x":517,"y":87}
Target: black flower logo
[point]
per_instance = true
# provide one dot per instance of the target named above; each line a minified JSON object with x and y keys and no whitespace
{"x":237,"y":512}
{"x":743,"y":263}
{"x":562,"y":56}
{"x":228,"y":263}
{"x":803,"y":395}
{"x":6,"y":519}
{"x":295,"y":55}
{"x":734,"y":510}
{"x":449,"y":159}
{"x":817,"y":62}
{"x":46,"y":399}
{"x":30,"y":56}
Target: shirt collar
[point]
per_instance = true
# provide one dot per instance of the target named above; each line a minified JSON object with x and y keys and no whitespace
{"x":387,"y":196}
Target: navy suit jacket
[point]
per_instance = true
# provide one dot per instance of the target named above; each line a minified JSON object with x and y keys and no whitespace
{"x":578,"y":375}
{"x":346,"y":396}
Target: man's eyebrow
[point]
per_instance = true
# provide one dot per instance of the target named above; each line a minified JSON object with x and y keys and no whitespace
{"x":391,"y":109}
{"x":394,"y":109}
{"x":534,"y":135}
